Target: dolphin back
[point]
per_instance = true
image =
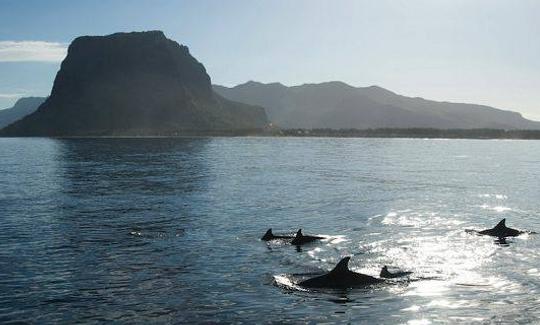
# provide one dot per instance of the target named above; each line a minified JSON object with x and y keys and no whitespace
{"x":501,"y":231}
{"x":268,"y":235}
{"x":340,"y":277}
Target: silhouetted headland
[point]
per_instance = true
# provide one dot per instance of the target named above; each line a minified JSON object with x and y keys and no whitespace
{"x":138,"y":83}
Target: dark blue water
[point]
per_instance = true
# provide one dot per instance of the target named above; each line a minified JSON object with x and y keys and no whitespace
{"x":167,"y":230}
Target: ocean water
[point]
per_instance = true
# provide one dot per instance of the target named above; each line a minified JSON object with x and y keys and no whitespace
{"x":167,"y":230}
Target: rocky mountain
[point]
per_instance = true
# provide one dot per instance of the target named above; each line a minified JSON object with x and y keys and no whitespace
{"x":22,"y":107}
{"x":138,"y":83}
{"x":338,"y":105}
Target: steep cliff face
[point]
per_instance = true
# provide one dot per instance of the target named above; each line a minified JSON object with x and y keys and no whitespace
{"x":138,"y":83}
{"x":23,"y":107}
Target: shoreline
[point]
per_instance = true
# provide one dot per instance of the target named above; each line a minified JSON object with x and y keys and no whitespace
{"x":415,"y":133}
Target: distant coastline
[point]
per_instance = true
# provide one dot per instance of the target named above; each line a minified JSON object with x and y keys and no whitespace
{"x":413,"y":133}
{"x":142,"y":84}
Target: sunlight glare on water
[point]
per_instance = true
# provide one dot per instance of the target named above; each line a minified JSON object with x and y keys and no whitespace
{"x":168,"y":230}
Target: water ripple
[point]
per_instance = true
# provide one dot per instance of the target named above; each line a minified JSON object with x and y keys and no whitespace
{"x":166,"y":230}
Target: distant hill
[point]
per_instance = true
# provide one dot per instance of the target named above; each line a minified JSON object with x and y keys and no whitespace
{"x":338,"y":105}
{"x":22,"y":107}
{"x":138,"y":83}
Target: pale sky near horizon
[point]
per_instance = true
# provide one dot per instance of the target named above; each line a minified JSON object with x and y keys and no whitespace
{"x":475,"y":51}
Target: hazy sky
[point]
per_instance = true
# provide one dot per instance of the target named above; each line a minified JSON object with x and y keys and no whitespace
{"x":485,"y":52}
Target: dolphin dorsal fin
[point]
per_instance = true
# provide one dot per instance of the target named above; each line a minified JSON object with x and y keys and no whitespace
{"x":342,"y":266}
{"x":268,"y":235}
{"x":299,"y":233}
{"x":501,"y":224}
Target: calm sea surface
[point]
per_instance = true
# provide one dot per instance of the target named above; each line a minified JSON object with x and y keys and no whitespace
{"x":167,"y":230}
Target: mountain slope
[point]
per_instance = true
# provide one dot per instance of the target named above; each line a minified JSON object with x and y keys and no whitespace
{"x":338,"y":105}
{"x":22,"y":107}
{"x":138,"y":83}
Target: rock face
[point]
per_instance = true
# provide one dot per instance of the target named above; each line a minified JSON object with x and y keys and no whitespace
{"x":340,"y":106}
{"x":22,"y":107}
{"x":138,"y":83}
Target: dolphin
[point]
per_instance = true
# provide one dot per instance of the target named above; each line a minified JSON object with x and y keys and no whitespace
{"x":387,"y":274}
{"x":270,"y":236}
{"x":340,"y":278}
{"x":301,"y":239}
{"x":501,"y":231}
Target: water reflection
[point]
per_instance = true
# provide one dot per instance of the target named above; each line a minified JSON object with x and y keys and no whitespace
{"x":167,"y":230}
{"x":119,"y":212}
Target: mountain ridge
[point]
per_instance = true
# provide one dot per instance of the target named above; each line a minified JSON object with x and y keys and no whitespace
{"x":22,"y":107}
{"x":335,"y":104}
